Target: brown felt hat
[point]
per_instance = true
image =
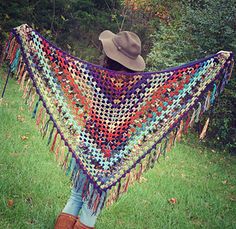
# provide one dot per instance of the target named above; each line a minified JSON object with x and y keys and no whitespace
{"x":123,"y":47}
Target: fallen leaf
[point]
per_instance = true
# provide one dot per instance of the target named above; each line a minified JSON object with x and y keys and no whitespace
{"x":232,"y":198}
{"x":29,"y":200}
{"x":20,"y":118}
{"x":172,"y":200}
{"x":23,"y":138}
{"x":225,"y":182}
{"x":10,"y":203}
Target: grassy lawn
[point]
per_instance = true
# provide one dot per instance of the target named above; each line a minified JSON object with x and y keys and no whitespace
{"x":34,"y":189}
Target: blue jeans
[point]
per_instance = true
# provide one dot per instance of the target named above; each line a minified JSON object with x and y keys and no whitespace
{"x":76,"y":205}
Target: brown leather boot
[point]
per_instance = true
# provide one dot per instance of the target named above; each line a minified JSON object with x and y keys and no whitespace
{"x":65,"y":221}
{"x":80,"y":225}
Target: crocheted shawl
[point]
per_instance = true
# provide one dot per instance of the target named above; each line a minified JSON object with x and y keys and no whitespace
{"x":108,"y":125}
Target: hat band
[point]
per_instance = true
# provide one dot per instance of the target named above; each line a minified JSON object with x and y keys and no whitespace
{"x":123,"y":51}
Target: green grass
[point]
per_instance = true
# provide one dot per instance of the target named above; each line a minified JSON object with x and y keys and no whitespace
{"x":203,"y":182}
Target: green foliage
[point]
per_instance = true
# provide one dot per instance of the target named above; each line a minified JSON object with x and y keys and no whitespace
{"x":67,"y":23}
{"x":213,"y":25}
{"x":194,"y":32}
{"x":170,"y":47}
{"x":198,"y":29}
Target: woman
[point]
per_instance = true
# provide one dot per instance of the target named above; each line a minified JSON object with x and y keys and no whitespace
{"x":121,"y":53}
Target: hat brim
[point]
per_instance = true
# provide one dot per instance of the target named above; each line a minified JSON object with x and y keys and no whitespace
{"x":112,"y":52}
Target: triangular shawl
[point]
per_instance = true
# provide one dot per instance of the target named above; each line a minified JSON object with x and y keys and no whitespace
{"x":113,"y":125}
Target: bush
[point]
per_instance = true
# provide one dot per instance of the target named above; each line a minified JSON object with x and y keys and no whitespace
{"x":197,"y":30}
